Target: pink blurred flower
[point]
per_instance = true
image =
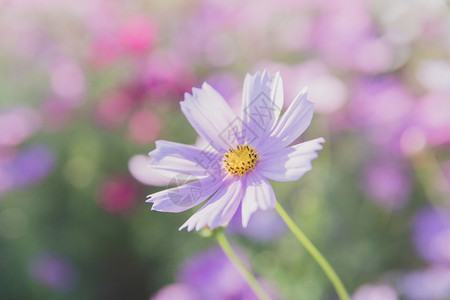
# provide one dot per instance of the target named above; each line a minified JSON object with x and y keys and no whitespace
{"x":144,"y":127}
{"x":17,"y":125}
{"x":179,"y":291}
{"x":117,"y":195}
{"x":165,"y":76}
{"x":104,"y":49}
{"x":432,"y":117}
{"x":161,"y":78}
{"x":68,"y":81}
{"x":137,"y":35}
{"x":371,"y":55}
{"x":55,"y":114}
{"x":412,"y":141}
{"x":113,"y":38}
{"x":375,"y":292}
{"x":114,"y":109}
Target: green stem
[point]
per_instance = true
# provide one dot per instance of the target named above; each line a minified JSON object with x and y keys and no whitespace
{"x":251,"y":280}
{"x":431,"y":177}
{"x":331,"y":274}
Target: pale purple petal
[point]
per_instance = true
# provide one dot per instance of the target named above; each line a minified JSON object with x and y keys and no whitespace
{"x":139,"y":167}
{"x":185,"y":159}
{"x":291,"y":125}
{"x":211,"y":117}
{"x":258,"y":194}
{"x":219,"y":209}
{"x":185,"y":196}
{"x":291,"y":163}
{"x":262,"y":101}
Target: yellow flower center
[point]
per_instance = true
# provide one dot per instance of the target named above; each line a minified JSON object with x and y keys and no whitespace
{"x":240,"y":160}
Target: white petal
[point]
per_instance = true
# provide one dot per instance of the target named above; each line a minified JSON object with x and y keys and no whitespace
{"x":258,"y":194}
{"x":211,"y":117}
{"x":262,"y":101}
{"x":184,"y":159}
{"x":185,"y":196}
{"x":219,"y":209}
{"x":291,"y":125}
{"x":291,"y":163}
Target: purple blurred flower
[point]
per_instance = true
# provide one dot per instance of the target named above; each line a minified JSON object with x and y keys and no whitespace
{"x":432,"y":283}
{"x":213,"y":276}
{"x":382,"y":107}
{"x":53,"y":271}
{"x":236,"y":175}
{"x":380,"y":102}
{"x":27,"y":167}
{"x":431,"y":234}
{"x":263,"y":226}
{"x":387,"y":184}
{"x":344,"y":35}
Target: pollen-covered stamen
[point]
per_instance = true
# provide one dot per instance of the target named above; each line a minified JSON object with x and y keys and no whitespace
{"x":240,"y":160}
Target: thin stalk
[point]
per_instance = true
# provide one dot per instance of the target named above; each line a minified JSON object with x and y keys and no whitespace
{"x":251,"y":280}
{"x":431,"y":177}
{"x":323,"y":263}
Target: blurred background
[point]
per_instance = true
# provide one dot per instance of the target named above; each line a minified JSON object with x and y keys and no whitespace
{"x":87,"y":86}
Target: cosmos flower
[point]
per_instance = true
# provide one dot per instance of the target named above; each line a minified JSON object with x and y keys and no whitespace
{"x":244,"y":150}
